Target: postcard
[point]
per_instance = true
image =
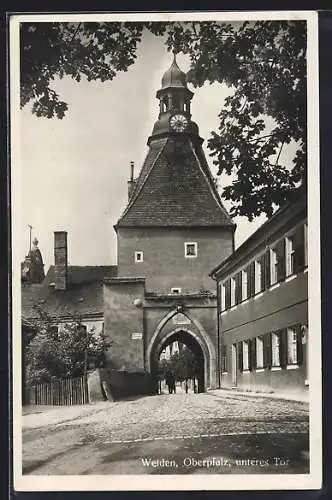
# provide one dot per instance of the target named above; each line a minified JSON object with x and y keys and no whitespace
{"x":165,"y":251}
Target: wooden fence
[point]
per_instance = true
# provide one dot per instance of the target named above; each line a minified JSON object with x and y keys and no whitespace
{"x":71,"y":391}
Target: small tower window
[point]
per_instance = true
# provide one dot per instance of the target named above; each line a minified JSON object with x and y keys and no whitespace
{"x":190,"y":250}
{"x":138,"y":256}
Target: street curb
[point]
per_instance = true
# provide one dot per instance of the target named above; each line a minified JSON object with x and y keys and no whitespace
{"x":218,"y":393}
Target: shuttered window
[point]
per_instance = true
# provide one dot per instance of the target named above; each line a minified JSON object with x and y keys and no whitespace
{"x":244,"y":274}
{"x":296,"y":250}
{"x":259,"y":353}
{"x":289,"y":255}
{"x":228,"y":294}
{"x":238,"y":288}
{"x":239,"y":350}
{"x":273,"y":266}
{"x":233,"y":287}
{"x":277,"y":262}
{"x":252,"y":279}
{"x":275,"y":347}
{"x":267,"y":272}
{"x":258,"y":276}
{"x":283,"y":347}
{"x":252,"y":355}
{"x":291,"y":346}
{"x":267,"y":350}
{"x":299,"y":250}
{"x":222,"y":297}
{"x":245,"y":355}
{"x":294,"y":345}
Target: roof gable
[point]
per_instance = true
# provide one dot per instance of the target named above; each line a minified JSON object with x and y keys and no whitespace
{"x":175,"y":188}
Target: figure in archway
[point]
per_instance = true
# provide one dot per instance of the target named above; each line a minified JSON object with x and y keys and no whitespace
{"x":170,"y":382}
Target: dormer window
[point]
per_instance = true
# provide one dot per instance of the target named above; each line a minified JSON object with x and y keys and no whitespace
{"x":190,"y":250}
{"x":138,"y":256}
{"x":176,"y":291}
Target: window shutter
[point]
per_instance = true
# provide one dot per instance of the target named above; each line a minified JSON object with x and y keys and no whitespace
{"x":299,"y":346}
{"x":267,"y":271}
{"x":267,"y":351}
{"x":252,"y":354}
{"x":283,"y":347}
{"x":298,"y":245}
{"x":238,"y":288}
{"x":228,"y":294}
{"x":281,"y":249}
{"x":240,"y":354}
{"x":252,"y":278}
{"x":262,"y":262}
{"x":224,"y":358}
{"x":248,"y":282}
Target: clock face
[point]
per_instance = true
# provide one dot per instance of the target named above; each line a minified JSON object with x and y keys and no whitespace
{"x":178,"y":123}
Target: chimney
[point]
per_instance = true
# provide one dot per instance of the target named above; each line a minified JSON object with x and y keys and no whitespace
{"x":131,"y":182}
{"x":60,"y":260}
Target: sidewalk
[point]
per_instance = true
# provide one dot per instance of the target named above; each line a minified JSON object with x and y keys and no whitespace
{"x":287,"y":396}
{"x":42,"y":415}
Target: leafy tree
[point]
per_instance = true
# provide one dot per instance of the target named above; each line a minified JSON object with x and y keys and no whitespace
{"x":263,"y":62}
{"x":62,"y":352}
{"x":182,"y":365}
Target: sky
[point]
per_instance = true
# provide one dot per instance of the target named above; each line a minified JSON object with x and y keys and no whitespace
{"x":74,"y":171}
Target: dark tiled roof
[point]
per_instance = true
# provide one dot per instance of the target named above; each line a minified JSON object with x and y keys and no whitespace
{"x":83,"y":297}
{"x":83,"y":274}
{"x":175,"y":189}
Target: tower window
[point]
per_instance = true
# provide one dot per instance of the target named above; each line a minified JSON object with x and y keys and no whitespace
{"x":190,"y":250}
{"x":138,"y":256}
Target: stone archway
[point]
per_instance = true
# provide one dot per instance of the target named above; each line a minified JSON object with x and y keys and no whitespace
{"x":191,"y":334}
{"x":189,"y":339}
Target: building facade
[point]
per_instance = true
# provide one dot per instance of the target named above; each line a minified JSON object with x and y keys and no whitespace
{"x":263,"y":307}
{"x":172,"y":232}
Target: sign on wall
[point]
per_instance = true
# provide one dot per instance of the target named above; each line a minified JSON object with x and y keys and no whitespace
{"x":136,"y":336}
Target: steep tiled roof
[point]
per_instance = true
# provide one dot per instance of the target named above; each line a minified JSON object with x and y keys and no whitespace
{"x":175,"y":188}
{"x":83,"y":297}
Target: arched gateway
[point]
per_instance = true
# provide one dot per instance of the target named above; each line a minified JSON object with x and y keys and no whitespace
{"x":172,"y":233}
{"x":193,"y":335}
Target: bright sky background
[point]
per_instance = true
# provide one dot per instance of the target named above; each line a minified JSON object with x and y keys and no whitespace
{"x":74,"y":171}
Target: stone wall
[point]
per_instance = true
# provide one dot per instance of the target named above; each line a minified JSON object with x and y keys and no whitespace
{"x":123,"y":324}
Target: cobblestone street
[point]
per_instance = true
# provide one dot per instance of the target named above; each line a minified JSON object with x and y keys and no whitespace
{"x":181,"y":433}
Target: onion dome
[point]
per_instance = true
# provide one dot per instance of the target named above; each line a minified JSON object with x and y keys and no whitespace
{"x":174,"y":77}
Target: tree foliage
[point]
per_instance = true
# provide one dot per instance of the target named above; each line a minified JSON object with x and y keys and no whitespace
{"x":182,"y":365}
{"x":64,"y":351}
{"x":262,"y":62}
